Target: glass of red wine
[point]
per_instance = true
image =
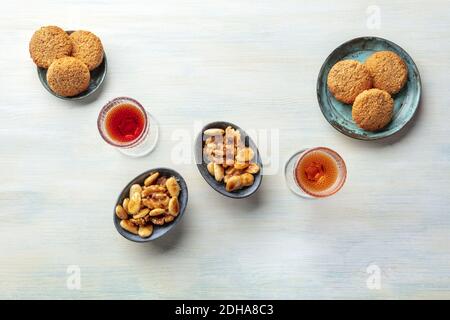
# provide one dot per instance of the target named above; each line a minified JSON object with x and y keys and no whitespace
{"x":125,"y":124}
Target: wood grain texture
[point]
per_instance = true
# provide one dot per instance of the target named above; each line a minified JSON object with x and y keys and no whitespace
{"x":254,"y":63}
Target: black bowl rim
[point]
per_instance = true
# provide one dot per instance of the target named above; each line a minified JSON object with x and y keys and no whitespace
{"x":200,"y":163}
{"x":81,"y":95}
{"x":126,"y":234}
{"x":359,"y":137}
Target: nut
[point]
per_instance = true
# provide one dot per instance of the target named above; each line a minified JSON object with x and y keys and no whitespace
{"x":210,"y":168}
{"x":134,"y":205}
{"x":173,"y":187}
{"x":151,"y":179}
{"x":158,"y":221}
{"x":247,"y":179}
{"x":142,"y":213}
{"x":121,"y":213}
{"x":156,"y":212}
{"x":245,"y":155}
{"x":213,"y":132}
{"x":168,"y":218}
{"x":129,"y":226}
{"x":174,"y":206}
{"x":241,"y":165}
{"x":218,"y":172}
{"x":152,"y":189}
{"x":135,"y":188}
{"x":154,"y":203}
{"x":234,"y":183}
{"x":253,"y":168}
{"x":145,"y":231}
{"x":125,"y":204}
{"x":228,"y":158}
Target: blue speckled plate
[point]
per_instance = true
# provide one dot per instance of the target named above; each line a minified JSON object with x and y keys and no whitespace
{"x":97,"y":77}
{"x":339,"y":115}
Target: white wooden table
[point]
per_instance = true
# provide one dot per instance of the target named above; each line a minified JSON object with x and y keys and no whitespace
{"x":254,"y":63}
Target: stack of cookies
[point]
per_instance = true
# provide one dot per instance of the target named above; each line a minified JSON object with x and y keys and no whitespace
{"x":369,"y":87}
{"x":68,"y":58}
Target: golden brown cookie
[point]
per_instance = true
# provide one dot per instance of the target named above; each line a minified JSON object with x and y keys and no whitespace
{"x":48,"y":44}
{"x":389,"y":71}
{"x":347,"y":79}
{"x":87,"y":47}
{"x":373,"y":109}
{"x":68,"y":76}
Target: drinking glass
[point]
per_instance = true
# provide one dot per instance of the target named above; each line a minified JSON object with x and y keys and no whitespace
{"x":144,"y":143}
{"x":300,"y":189}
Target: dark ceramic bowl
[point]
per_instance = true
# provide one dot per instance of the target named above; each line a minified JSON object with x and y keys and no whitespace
{"x":220,"y":186}
{"x":158,"y":231}
{"x":97,"y":77}
{"x":339,"y":115}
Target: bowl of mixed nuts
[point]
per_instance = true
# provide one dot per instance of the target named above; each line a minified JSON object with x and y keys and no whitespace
{"x":151,"y":205}
{"x":228,"y":160}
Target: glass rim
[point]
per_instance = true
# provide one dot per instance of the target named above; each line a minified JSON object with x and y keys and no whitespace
{"x":107,"y":107}
{"x":339,"y":185}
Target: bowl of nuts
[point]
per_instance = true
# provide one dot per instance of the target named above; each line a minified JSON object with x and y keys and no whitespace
{"x":151,"y":205}
{"x":228,"y":160}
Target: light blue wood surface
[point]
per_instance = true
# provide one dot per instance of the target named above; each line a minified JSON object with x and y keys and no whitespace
{"x":254,"y":63}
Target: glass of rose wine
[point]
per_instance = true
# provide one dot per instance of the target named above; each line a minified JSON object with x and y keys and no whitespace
{"x":315,"y":173}
{"x":125,"y":124}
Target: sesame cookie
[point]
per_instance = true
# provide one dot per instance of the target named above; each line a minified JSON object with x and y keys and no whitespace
{"x":87,"y":47}
{"x":347,"y":79}
{"x":389,"y":71}
{"x":373,"y":109}
{"x":68,"y":76}
{"x":48,"y":44}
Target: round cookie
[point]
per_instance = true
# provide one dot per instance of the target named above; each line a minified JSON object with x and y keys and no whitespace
{"x":48,"y":44}
{"x":347,"y":79}
{"x":68,"y":76}
{"x":87,"y":47}
{"x":373,"y":109}
{"x":389,"y":71}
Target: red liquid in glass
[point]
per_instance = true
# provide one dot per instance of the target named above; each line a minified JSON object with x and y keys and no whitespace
{"x":124,"y":123}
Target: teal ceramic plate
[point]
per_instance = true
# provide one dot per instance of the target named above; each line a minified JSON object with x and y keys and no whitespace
{"x":339,"y":115}
{"x":97,"y":77}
